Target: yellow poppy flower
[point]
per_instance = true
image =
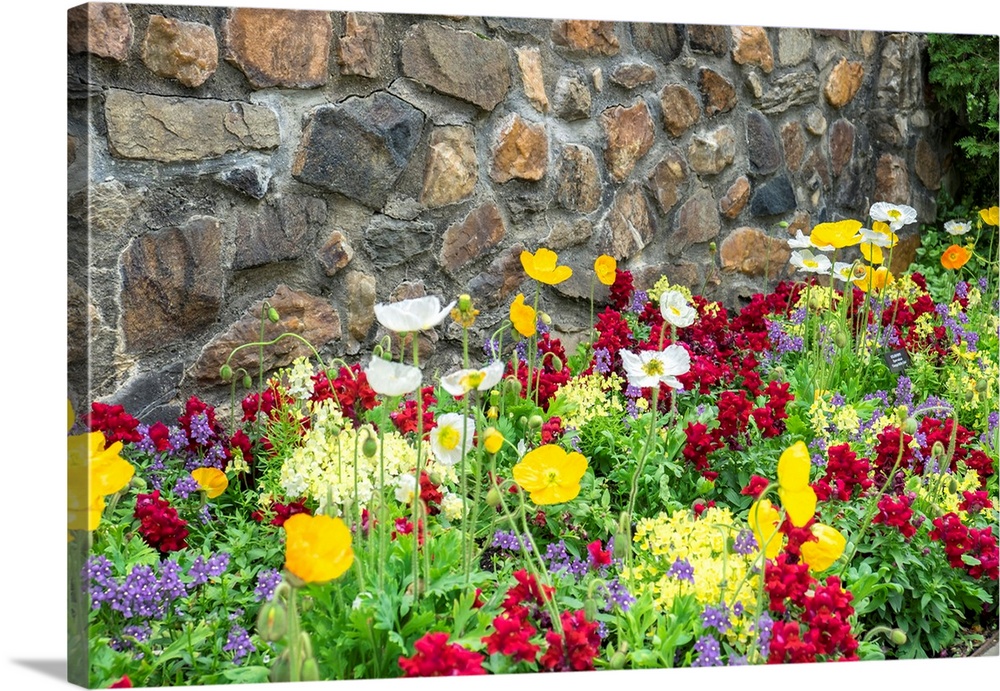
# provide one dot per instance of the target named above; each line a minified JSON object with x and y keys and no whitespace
{"x":550,"y":474}
{"x":492,"y":440}
{"x":317,"y":548}
{"x":883,"y":229}
{"x":523,"y":317}
{"x":541,"y":266}
{"x":605,"y":268}
{"x":764,"y":520}
{"x":839,"y":235}
{"x":868,"y":280}
{"x":212,"y":481}
{"x":93,"y":472}
{"x":871,"y":252}
{"x":799,"y":505}
{"x":827,"y":549}
{"x":796,"y":495}
{"x":990,"y":216}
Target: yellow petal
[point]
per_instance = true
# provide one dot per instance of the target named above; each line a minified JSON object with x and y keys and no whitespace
{"x":793,"y":467}
{"x":800,"y":505}
{"x":871,"y":252}
{"x":763,"y":520}
{"x":70,"y":416}
{"x":211,"y":480}
{"x":317,"y":548}
{"x":829,"y":545}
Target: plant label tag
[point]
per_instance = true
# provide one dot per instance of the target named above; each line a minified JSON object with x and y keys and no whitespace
{"x":897,"y":360}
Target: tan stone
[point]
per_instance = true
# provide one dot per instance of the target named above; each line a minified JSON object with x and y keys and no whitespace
{"x":452,"y":167}
{"x":904,"y":254}
{"x":753,"y":252}
{"x":667,"y":179}
{"x":752,"y":47}
{"x":529,"y":60}
{"x":629,"y":225}
{"x":719,"y":92}
{"x":168,"y":129}
{"x":584,"y":36}
{"x":633,"y":74}
{"x":736,"y":198}
{"x":358,"y":49}
{"x":794,"y":145}
{"x":309,"y":316}
{"x":336,"y":253}
{"x":360,"y":304}
{"x":185,"y":51}
{"x":578,"y":186}
{"x":482,"y":230}
{"x":841,"y":145}
{"x":892,"y":180}
{"x":106,"y":206}
{"x":680,"y":108}
{"x":629,"y":136}
{"x":499,"y":281}
{"x":287,"y":48}
{"x":100,"y":28}
{"x":82,"y":319}
{"x":709,"y":154}
{"x":521,"y":150}
{"x":696,"y":221}
{"x":564,"y":234}
{"x":843,"y":83}
{"x":928,"y":165}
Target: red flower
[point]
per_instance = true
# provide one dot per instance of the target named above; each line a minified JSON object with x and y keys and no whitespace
{"x":526,"y":590}
{"x":435,"y":657}
{"x":700,"y":443}
{"x":974,"y":502}
{"x":620,"y":293}
{"x":282,"y":512}
{"x":734,"y":414}
{"x":350,"y":388}
{"x":114,"y":422}
{"x":160,"y":526}
{"x":511,"y":636}
{"x":786,"y":581}
{"x":598,"y":557}
{"x":896,"y":513}
{"x":576,"y":648}
{"x":430,"y":494}
{"x":845,"y":472}
{"x":756,"y":485}
{"x":123,"y":683}
{"x":787,"y":644}
{"x":552,"y":430}
{"x":405,"y":419}
{"x":159,"y":434}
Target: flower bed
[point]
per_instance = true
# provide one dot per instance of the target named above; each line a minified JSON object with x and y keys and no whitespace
{"x":810,"y":478}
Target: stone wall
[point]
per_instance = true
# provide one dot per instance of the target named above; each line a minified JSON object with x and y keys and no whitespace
{"x":324,"y":161}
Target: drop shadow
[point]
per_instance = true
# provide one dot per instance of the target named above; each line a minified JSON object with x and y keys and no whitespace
{"x":56,"y":669}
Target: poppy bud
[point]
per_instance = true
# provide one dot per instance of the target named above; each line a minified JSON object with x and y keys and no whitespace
{"x":969,"y":395}
{"x":712,"y":248}
{"x":546,"y":319}
{"x":226,"y":372}
{"x":840,"y":338}
{"x":494,"y":396}
{"x":590,"y":609}
{"x":897,"y":637}
{"x":493,"y":412}
{"x":981,"y":385}
{"x":272,"y":621}
{"x":464,"y":302}
{"x":778,"y":372}
{"x":937,"y":450}
{"x":493,"y":497}
{"x":512,"y":385}
{"x":310,"y":670}
{"x":282,"y":670}
{"x":492,"y":439}
{"x":370,"y":447}
{"x":272,"y":314}
{"x":137,"y":482}
{"x":535,"y":422}
{"x":953,"y":486}
{"x":909,"y":426}
{"x":247,"y":381}
{"x":523,"y":421}
{"x":618,"y":660}
{"x":435,"y":476}
{"x":557,"y":363}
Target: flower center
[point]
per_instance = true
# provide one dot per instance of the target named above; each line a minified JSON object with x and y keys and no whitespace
{"x":676,"y":312}
{"x":552,"y":476}
{"x":811,"y":263}
{"x":449,"y":438}
{"x":653,"y":368}
{"x":893,"y":213}
{"x":473,"y":380}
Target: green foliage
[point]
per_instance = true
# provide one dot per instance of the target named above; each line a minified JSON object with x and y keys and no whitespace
{"x":964,"y":74}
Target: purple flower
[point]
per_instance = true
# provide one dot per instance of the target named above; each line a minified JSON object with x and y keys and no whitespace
{"x":492,"y":349}
{"x":201,"y":432}
{"x":961,"y":290}
{"x":171,"y":585}
{"x":681,"y":569}
{"x":239,"y":644}
{"x":708,"y":652}
{"x":745,"y":543}
{"x":715,"y":617}
{"x":203,"y":569}
{"x":764,"y":626}
{"x":186,"y":486}
{"x":737,"y":660}
{"x":904,"y":392}
{"x":178,"y":439}
{"x":639,"y":300}
{"x":268,"y":581}
{"x":602,"y":360}
{"x":509,"y":540}
{"x":617,"y":595}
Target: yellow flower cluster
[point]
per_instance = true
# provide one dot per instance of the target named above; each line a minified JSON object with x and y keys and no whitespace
{"x":322,"y":467}
{"x":663,"y":285}
{"x":903,"y":287}
{"x":718,"y":572}
{"x":826,"y":417}
{"x":590,"y":398}
{"x":964,"y":382}
{"x":940,"y":495}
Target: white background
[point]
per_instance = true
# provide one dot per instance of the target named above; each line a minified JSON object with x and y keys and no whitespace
{"x":32,"y":558}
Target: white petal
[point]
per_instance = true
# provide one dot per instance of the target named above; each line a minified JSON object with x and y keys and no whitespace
{"x":493,"y":374}
{"x":415,"y":314}
{"x":392,"y":378}
{"x":633,"y":365}
{"x":452,"y":383}
{"x":676,"y":360}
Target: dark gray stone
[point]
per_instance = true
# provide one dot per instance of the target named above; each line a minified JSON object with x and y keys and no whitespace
{"x":249,"y":180}
{"x":704,"y":38}
{"x":267,"y":234}
{"x":501,"y":278}
{"x":665,"y":41}
{"x":763,"y":148}
{"x":774,"y":197}
{"x":390,"y":242}
{"x":360,"y":147}
{"x":572,"y":98}
{"x":146,"y":395}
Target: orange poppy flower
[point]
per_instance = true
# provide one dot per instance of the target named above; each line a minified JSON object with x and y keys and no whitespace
{"x":955,"y":257}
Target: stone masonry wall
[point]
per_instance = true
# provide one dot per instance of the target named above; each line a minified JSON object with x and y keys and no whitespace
{"x":325,"y":161}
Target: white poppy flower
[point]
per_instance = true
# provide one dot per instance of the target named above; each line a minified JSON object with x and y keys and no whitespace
{"x":842,"y":271}
{"x":957,"y":227}
{"x":805,"y":260}
{"x":879,"y":238}
{"x":800,"y":241}
{"x":896,"y":215}
{"x":416,"y":314}
{"x":650,"y":367}
{"x":675,"y":309}
{"x":451,"y":435}
{"x":465,"y":380}
{"x":392,"y":378}
{"x":406,"y":487}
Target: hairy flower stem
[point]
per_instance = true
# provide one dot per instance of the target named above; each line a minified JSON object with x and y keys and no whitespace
{"x":634,"y":488}
{"x":463,"y":469}
{"x":417,"y":471}
{"x":294,"y":663}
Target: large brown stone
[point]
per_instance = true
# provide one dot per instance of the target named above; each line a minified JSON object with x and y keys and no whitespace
{"x":529,"y":61}
{"x":499,"y":281}
{"x":697,"y":221}
{"x":892,"y":180}
{"x":629,"y":135}
{"x":578,"y":181}
{"x":172,"y":284}
{"x":358,"y":49}
{"x":309,"y":316}
{"x":185,"y":51}
{"x":843,"y":83}
{"x":752,"y":47}
{"x":106,"y":206}
{"x":904,"y":254}
{"x":287,"y":48}
{"x":335,"y":254}
{"x":359,"y":147}
{"x":452,"y":167}
{"x":709,"y":154}
{"x":736,"y":198}
{"x":680,"y":108}
{"x":719,"y":92}
{"x":629,"y":225}
{"x":266,"y":234}
{"x":482,"y":230}
{"x":707,"y":38}
{"x":841,"y":145}
{"x":584,"y":36}
{"x":169,"y":129}
{"x":793,"y":142}
{"x":360,"y":304}
{"x":753,"y":252}
{"x":100,"y":28}
{"x":457,"y":63}
{"x":667,"y":179}
{"x":927,"y":165}
{"x":633,"y":74}
{"x":521,"y":150}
